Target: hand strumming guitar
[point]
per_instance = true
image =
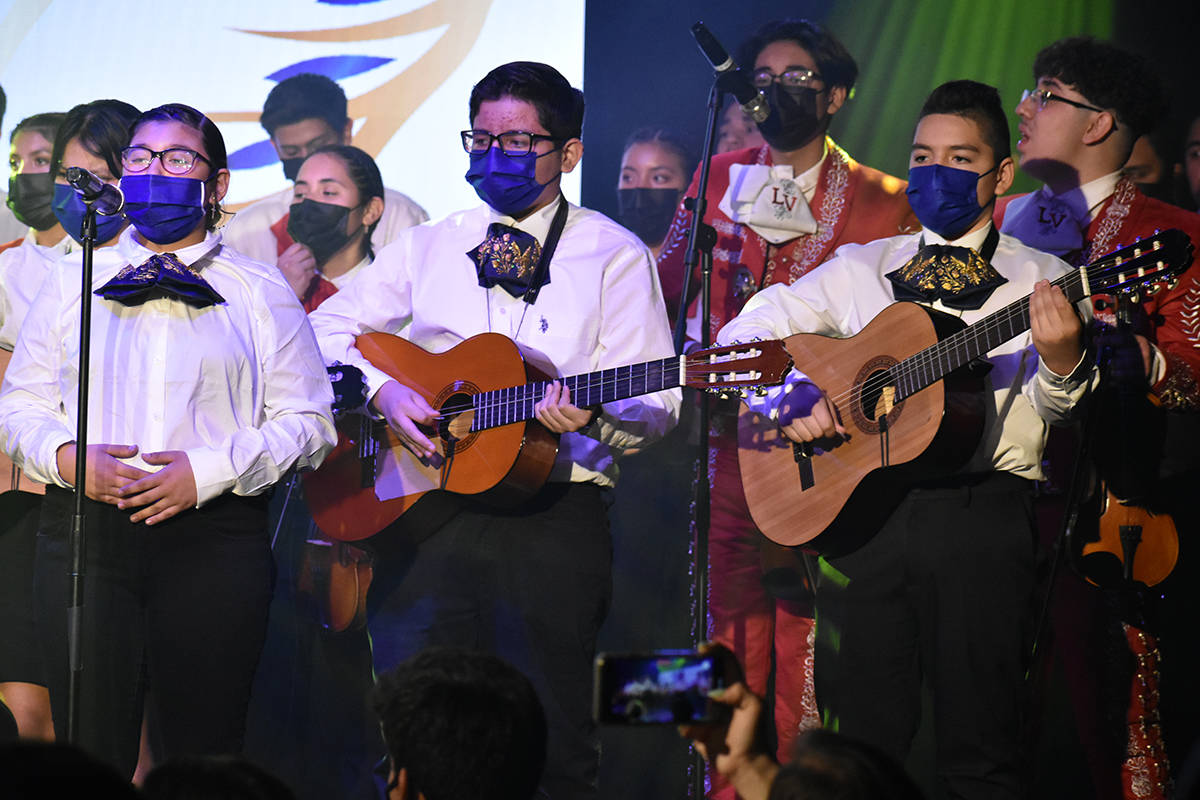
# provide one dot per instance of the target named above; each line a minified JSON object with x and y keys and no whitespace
{"x":808,"y":415}
{"x":404,"y":411}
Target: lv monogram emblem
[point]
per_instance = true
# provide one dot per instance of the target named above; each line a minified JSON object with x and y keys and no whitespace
{"x":1051,"y":217}
{"x":788,"y":200}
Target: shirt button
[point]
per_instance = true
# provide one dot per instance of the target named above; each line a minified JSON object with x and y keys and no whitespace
{"x":504,"y":311}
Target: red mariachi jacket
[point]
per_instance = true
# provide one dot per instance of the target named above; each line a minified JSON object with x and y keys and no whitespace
{"x":852,"y":204}
{"x":1174,"y":315}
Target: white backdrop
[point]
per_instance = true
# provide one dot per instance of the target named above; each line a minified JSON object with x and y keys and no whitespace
{"x":407,"y":67}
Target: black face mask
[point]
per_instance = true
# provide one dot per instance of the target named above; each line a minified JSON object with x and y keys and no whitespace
{"x":291,"y":167}
{"x":31,"y":198}
{"x":793,"y":120}
{"x":321,"y":227}
{"x":647,"y":212}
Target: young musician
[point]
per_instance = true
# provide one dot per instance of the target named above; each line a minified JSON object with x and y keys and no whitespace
{"x":1091,"y":102}
{"x":206,"y":386}
{"x":91,"y":136}
{"x":530,"y":583}
{"x":941,"y":591}
{"x":22,"y":268}
{"x":337,"y":203}
{"x":779,"y":210}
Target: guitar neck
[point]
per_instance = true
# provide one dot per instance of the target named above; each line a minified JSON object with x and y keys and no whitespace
{"x":937,"y":361}
{"x":516,"y":403}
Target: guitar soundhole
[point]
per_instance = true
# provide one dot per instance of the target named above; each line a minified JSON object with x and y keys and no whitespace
{"x":874,"y":395}
{"x":454,"y":427}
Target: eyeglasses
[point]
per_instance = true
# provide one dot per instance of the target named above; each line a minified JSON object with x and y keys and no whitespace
{"x":513,"y":143}
{"x":797,"y":78}
{"x":176,"y":161}
{"x":1043,"y":96}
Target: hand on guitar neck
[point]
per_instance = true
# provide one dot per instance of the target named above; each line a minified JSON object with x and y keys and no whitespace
{"x":407,"y":412}
{"x":1056,"y":329}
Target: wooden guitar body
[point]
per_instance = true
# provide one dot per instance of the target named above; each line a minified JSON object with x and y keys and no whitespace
{"x":846,"y":493}
{"x":502,"y":464}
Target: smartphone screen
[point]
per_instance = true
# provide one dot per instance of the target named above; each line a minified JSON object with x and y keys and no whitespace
{"x":667,"y":687}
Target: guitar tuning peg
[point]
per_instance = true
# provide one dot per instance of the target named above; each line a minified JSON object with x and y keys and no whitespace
{"x":760,"y":392}
{"x":1135,"y":297}
{"x":1153,"y":289}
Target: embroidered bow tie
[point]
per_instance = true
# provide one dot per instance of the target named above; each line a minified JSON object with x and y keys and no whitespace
{"x":162,"y":275}
{"x":958,"y":276}
{"x":508,"y":257}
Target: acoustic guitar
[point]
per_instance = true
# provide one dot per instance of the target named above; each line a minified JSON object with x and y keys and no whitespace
{"x":488,"y":442}
{"x":908,"y":390}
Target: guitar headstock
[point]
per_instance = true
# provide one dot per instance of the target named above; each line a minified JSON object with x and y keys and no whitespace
{"x":738,"y":366}
{"x":1148,"y":265}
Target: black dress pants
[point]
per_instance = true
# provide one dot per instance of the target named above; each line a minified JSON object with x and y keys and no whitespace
{"x":180,"y":606}
{"x":941,"y":593}
{"x":532,"y":586}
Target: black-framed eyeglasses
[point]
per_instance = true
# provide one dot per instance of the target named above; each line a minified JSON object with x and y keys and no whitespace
{"x":513,"y":143}
{"x":796,"y":78}
{"x":176,"y":160}
{"x":1043,"y":96}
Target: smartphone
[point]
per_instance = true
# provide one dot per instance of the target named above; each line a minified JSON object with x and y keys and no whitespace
{"x":665,"y":687}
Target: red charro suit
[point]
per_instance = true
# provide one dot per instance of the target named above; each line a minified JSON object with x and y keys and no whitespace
{"x":1127,"y":758}
{"x":852,"y":203}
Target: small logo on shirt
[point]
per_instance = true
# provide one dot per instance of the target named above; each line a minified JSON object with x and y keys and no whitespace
{"x":543,"y":326}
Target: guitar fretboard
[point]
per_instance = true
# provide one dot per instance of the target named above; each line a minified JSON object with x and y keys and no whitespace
{"x":957,"y":350}
{"x":516,"y":403}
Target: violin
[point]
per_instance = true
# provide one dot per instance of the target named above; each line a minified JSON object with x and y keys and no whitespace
{"x":1134,"y":544}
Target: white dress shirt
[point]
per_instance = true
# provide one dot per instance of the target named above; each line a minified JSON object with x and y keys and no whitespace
{"x":249,"y":232}
{"x":841,"y":296}
{"x":602,"y":308}
{"x":239,"y":386}
{"x":22,"y":270}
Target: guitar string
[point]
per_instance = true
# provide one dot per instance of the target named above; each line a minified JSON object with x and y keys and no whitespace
{"x":919,"y":364}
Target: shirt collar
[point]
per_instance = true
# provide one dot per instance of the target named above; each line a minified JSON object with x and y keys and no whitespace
{"x":64,"y":246}
{"x":1094,"y":193}
{"x":537,"y":223}
{"x":807,"y":180}
{"x":973,"y":240}
{"x":135,"y":253}
{"x":341,"y":280}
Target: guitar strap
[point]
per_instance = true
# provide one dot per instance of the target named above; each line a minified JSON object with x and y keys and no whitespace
{"x":543,"y":266}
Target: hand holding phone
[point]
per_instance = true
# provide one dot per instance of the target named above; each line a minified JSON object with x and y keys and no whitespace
{"x":665,"y":687}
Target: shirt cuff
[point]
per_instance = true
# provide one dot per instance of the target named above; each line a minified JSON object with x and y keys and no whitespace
{"x":1076,"y":377}
{"x":45,"y":464}
{"x":768,"y":404}
{"x":211,"y":469}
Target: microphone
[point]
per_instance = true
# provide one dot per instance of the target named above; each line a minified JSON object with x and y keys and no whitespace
{"x":105,"y":198}
{"x":734,"y":80}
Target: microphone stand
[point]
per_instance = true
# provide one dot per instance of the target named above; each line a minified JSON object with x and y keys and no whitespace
{"x":77,"y":540}
{"x":701,"y":240}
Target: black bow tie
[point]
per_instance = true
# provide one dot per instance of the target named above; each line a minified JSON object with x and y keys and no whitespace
{"x":162,"y":275}
{"x":958,"y":276}
{"x":508,"y":257}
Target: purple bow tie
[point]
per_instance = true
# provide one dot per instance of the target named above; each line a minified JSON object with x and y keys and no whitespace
{"x":162,"y":275}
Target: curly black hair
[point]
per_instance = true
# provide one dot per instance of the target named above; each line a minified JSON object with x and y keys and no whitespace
{"x":1109,"y":77}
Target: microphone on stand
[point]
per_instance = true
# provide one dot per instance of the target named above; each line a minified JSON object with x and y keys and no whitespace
{"x":733,"y":80}
{"x":104,"y":197}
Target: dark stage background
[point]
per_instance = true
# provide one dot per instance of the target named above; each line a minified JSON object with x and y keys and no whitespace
{"x":642,"y":67}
